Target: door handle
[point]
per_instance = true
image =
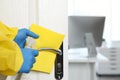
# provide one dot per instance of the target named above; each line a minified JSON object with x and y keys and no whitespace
{"x":59,"y":65}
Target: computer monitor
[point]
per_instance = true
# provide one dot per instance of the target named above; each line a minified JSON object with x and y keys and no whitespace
{"x":79,"y":25}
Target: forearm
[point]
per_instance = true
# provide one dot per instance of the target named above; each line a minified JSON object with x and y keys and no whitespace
{"x":11,"y":57}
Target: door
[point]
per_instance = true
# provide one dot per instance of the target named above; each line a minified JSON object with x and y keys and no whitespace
{"x":49,"y":13}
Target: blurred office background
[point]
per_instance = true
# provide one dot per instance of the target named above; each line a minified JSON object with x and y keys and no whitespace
{"x":81,"y":70}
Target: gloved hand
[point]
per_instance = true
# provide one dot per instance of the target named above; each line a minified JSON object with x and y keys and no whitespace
{"x":20,"y":39}
{"x":29,"y":59}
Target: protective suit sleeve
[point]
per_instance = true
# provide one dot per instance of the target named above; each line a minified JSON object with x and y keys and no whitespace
{"x":11,"y":58}
{"x":7,"y":31}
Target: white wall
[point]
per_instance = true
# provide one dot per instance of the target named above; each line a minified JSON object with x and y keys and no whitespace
{"x":115,"y":20}
{"x":90,"y":7}
{"x":14,"y":12}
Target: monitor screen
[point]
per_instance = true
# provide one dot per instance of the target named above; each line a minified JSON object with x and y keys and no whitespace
{"x":79,"y":25}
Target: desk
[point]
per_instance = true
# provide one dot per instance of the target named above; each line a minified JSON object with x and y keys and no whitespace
{"x":83,"y":68}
